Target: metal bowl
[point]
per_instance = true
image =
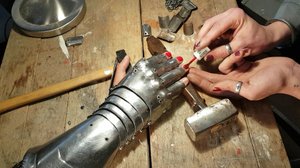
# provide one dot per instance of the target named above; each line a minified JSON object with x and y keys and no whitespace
{"x":47,"y":18}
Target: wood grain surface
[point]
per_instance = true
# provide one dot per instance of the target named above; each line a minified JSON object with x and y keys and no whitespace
{"x":109,"y":25}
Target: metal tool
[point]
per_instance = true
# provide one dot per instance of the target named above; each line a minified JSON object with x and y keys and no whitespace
{"x":193,"y":98}
{"x":178,"y":19}
{"x":44,"y":18}
{"x":207,"y":119}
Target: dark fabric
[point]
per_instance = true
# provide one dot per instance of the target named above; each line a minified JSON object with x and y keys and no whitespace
{"x":289,"y":12}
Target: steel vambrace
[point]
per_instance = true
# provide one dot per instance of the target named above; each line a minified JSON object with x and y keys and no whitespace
{"x":140,"y":98}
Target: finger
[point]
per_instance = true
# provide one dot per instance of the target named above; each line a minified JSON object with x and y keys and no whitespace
{"x":172,"y":76}
{"x":157,"y":59}
{"x":216,"y":31}
{"x":227,"y":65}
{"x":175,"y":89}
{"x":200,"y":82}
{"x":121,"y":70}
{"x":185,"y":81}
{"x":231,"y":86}
{"x":235,"y":59}
{"x":168,"y":65}
{"x":212,"y":77}
{"x":243,"y":66}
{"x":207,"y":86}
{"x":221,"y":51}
{"x":207,"y":26}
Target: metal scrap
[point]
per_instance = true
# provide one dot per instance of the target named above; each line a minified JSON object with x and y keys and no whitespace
{"x":172,"y":4}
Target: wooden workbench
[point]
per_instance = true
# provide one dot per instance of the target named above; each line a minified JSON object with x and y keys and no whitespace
{"x":33,"y":63}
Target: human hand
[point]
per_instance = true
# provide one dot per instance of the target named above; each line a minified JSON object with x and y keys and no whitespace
{"x":260,"y":79}
{"x":121,"y":70}
{"x":246,"y":37}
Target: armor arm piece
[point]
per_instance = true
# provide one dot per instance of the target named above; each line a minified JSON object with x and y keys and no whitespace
{"x":90,"y":144}
{"x":140,"y":98}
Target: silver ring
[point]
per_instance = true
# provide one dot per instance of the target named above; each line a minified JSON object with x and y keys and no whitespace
{"x":238,"y":87}
{"x":229,"y":49}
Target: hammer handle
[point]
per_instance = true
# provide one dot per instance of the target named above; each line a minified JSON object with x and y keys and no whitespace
{"x":193,"y":98}
{"x":54,"y":89}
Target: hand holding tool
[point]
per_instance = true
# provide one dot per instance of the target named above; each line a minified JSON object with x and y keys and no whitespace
{"x":197,"y":55}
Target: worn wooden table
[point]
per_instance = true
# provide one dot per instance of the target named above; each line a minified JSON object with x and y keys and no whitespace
{"x":33,"y":63}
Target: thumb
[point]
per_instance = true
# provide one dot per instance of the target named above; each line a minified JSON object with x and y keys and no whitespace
{"x":121,"y":70}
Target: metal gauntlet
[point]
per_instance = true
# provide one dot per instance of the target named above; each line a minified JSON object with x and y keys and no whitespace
{"x":140,"y":98}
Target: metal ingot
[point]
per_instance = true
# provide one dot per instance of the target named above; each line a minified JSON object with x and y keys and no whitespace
{"x":210,"y":119}
{"x":47,"y":18}
{"x":163,"y":22}
{"x":166,"y":35}
{"x":188,"y":29}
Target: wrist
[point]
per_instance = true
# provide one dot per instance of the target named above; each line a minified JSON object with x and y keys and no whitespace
{"x":292,"y":86}
{"x":278,"y":33}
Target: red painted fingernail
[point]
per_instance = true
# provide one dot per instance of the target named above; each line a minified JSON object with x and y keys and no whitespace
{"x":196,"y":45}
{"x":217,"y":89}
{"x":168,"y":54}
{"x":209,"y":58}
{"x":237,"y":53}
{"x":179,"y":59}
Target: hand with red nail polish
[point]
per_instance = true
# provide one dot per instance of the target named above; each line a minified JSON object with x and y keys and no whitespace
{"x":260,"y":79}
{"x":244,"y":35}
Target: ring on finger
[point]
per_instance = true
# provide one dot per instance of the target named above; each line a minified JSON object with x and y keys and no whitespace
{"x":238,"y":87}
{"x":228,"y":49}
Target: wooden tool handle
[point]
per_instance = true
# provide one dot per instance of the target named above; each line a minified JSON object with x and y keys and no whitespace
{"x":54,"y":89}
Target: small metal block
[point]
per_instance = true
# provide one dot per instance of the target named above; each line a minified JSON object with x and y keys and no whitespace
{"x":188,"y":28}
{"x":146,"y":30}
{"x":71,"y":41}
{"x":163,"y":22}
{"x":166,"y":35}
